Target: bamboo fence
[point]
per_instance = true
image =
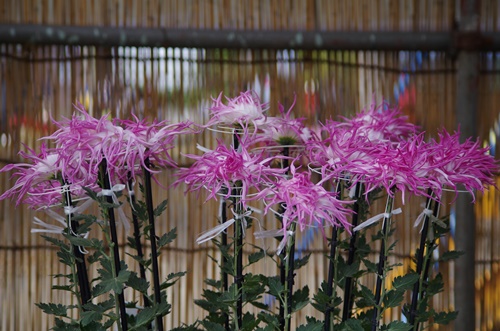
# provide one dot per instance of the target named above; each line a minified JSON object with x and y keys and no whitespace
{"x":41,"y":83}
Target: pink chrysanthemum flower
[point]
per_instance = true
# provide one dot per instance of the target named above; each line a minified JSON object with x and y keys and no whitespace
{"x":459,"y":165}
{"x":244,"y":110}
{"x":225,"y":168}
{"x":85,"y":141}
{"x":284,"y":129}
{"x":306,"y":203}
{"x":381,"y":123}
{"x":38,"y":181}
{"x":153,"y":141}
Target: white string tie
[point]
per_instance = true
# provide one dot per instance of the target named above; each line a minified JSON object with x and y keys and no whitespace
{"x":377,"y":218}
{"x":119,"y":209}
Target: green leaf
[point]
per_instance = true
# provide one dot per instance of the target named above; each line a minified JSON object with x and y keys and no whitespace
{"x":160,"y":208}
{"x":90,"y":316}
{"x":79,"y":241}
{"x":351,"y":325}
{"x":393,"y":298}
{"x":249,"y":322}
{"x":367,"y":294}
{"x":254,"y":257}
{"x":270,"y":320}
{"x":312,"y":325}
{"x":167,"y":238}
{"x":397,"y":326}
{"x":112,"y":284}
{"x":445,"y":317}
{"x":300,"y":262}
{"x":53,"y":309}
{"x":347,"y":270}
{"x":405,"y":282}
{"x":65,"y":257}
{"x":144,"y":317}
{"x":300,"y":298}
{"x":275,"y":287}
{"x":435,"y":285}
{"x":451,"y":255}
{"x":137,"y":283}
{"x":212,"y":326}
{"x":64,"y":326}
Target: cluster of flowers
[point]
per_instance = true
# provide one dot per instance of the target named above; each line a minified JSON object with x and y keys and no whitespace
{"x":79,"y":146}
{"x":377,"y":148}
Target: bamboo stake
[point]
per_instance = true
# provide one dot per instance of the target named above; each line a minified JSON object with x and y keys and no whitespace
{"x":114,"y":238}
{"x":152,"y":238}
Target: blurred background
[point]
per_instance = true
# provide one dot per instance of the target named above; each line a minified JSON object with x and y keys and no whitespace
{"x":438,"y":60}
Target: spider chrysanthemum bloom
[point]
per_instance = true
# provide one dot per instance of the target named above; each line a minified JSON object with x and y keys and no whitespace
{"x":305,"y":203}
{"x":38,"y":182}
{"x":284,"y":129}
{"x":459,"y":165}
{"x":224,"y":168}
{"x":85,"y":141}
{"x":153,"y":141}
{"x":244,"y":111}
{"x":381,"y":123}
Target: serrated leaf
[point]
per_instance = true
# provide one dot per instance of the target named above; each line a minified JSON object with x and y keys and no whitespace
{"x":53,"y":309}
{"x":351,"y":325}
{"x":444,"y":318}
{"x":367,"y":294}
{"x":65,"y":257}
{"x":398,"y":326}
{"x":405,"y":282}
{"x":112,"y":284}
{"x":144,"y":317}
{"x":312,"y":325}
{"x":393,"y":298}
{"x":160,"y":208}
{"x":79,"y":241}
{"x":257,"y":256}
{"x":138,"y":283}
{"x":300,"y":262}
{"x":451,"y":255}
{"x":270,"y":320}
{"x":167,"y":238}
{"x":300,"y":298}
{"x":88,"y":317}
{"x":275,"y":287}
{"x":212,"y":326}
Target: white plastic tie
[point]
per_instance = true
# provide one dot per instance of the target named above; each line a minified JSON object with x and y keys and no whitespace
{"x":377,"y":218}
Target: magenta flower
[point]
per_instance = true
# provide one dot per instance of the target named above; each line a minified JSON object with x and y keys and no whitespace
{"x":306,"y":203}
{"x":459,"y":165}
{"x":224,"y":168}
{"x":85,"y":141}
{"x":284,"y":129}
{"x":381,"y":123}
{"x":244,"y":110}
{"x":38,"y":181}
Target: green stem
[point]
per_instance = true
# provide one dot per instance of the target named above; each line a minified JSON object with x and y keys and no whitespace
{"x":289,"y":269}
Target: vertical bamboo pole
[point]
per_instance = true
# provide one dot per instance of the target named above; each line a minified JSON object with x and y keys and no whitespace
{"x":466,"y":112}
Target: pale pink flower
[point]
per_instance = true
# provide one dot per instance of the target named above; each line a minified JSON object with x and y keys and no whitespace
{"x":39,"y":181}
{"x":85,"y":141}
{"x":380,"y":123}
{"x":284,"y":129}
{"x":306,"y":203}
{"x":457,"y":165}
{"x":244,"y":110}
{"x":224,"y":168}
